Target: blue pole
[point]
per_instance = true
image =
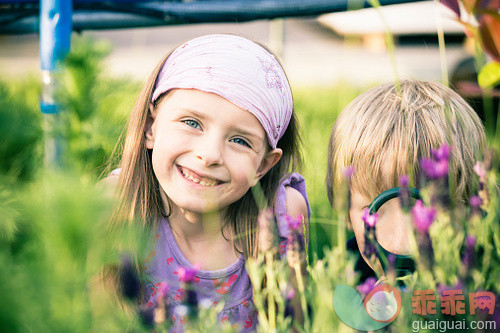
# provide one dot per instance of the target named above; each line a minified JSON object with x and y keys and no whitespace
{"x":55,"y":38}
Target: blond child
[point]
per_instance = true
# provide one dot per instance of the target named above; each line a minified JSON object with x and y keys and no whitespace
{"x":383,"y":134}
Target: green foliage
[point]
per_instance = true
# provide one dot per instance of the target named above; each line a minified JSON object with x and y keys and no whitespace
{"x":20,"y":129}
{"x":95,"y":107}
{"x":317,"y":109}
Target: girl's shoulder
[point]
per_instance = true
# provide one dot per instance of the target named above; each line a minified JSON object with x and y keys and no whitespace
{"x":291,"y":197}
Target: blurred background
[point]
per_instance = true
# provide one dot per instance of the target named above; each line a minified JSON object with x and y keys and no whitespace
{"x":316,"y":51}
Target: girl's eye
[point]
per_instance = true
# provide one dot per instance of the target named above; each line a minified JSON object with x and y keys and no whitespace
{"x":240,"y":141}
{"x":192,"y":123}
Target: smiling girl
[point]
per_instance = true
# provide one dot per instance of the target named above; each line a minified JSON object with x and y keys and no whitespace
{"x":214,"y":119}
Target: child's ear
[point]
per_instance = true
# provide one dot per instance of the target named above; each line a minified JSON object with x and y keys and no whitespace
{"x":270,"y":159}
{"x":149,"y":132}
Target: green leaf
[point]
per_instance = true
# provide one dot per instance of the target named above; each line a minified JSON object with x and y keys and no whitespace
{"x":489,"y":75}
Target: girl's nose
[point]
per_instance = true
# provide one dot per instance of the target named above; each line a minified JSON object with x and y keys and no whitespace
{"x":210,"y":152}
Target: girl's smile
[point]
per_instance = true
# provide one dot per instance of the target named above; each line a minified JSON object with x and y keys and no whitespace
{"x":198,"y":178}
{"x":207,"y":152}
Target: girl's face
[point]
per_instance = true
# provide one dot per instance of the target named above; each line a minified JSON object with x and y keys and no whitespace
{"x":207,"y":152}
{"x":392,"y":228}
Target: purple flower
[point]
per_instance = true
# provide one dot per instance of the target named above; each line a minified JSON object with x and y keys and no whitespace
{"x":191,"y":301}
{"x":480,"y":170}
{"x":370,"y":248}
{"x":129,"y":279}
{"x":187,"y":274}
{"x":293,"y":223}
{"x":365,"y":288}
{"x":434,"y":169}
{"x":475,"y":201}
{"x":290,"y":294}
{"x":423,"y":216}
{"x":147,"y":316}
{"x":348,"y":172}
{"x":404,"y":192}
{"x":288,"y":302}
{"x":370,"y":220}
{"x":470,"y":242}
{"x":442,"y":153}
{"x":404,"y":181}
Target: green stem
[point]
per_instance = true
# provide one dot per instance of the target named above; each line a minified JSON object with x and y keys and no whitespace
{"x":389,"y":41}
{"x":303,"y":302}
{"x":442,"y":51}
{"x":270,"y":289}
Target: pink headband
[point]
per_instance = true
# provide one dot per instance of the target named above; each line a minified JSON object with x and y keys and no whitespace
{"x":236,"y":69}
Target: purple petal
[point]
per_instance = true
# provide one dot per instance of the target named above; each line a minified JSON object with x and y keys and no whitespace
{"x":292,"y":222}
{"x":480,"y":170}
{"x":470,"y":241}
{"x":370,"y":220}
{"x":442,"y":153}
{"x":475,"y":201}
{"x":367,"y":286}
{"x":348,"y":172}
{"x":423,"y":216}
{"x":404,"y":181}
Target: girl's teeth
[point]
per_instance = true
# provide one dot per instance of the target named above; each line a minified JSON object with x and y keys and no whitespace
{"x":198,"y":181}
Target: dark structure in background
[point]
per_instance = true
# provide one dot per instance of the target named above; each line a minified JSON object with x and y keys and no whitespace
{"x":485,"y":103}
{"x":22,"y":16}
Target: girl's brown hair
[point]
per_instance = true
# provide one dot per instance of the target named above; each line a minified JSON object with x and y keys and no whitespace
{"x":140,"y":196}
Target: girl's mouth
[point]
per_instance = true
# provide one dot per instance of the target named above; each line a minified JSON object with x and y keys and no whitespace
{"x":196,"y":178}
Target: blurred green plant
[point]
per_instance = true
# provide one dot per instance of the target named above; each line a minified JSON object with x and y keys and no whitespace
{"x":95,"y":106}
{"x":20,"y":129}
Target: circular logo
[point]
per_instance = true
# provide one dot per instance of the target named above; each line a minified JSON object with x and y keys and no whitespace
{"x":383,"y":303}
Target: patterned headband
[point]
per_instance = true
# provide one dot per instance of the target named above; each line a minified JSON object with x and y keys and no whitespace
{"x":236,"y":69}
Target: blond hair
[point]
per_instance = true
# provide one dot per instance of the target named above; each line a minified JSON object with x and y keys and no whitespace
{"x":384,"y":132}
{"x":140,"y":196}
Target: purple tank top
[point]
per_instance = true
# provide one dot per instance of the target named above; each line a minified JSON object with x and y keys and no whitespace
{"x":230,"y":285}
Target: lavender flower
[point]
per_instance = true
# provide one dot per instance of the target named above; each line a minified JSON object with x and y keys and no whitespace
{"x":129,"y":279}
{"x":470,"y":242}
{"x":480,"y":170}
{"x":442,"y":153}
{"x":147,"y":316}
{"x":348,"y":172}
{"x":191,"y":301}
{"x":468,"y":257}
{"x":187,"y":275}
{"x":294,"y":234}
{"x":434,"y":169}
{"x":294,"y":223}
{"x":437,"y":166}
{"x":475,"y":202}
{"x":288,"y":302}
{"x":404,"y":193}
{"x":369,"y":249}
{"x":365,"y":288}
{"x":423,"y":216}
{"x":370,"y":220}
